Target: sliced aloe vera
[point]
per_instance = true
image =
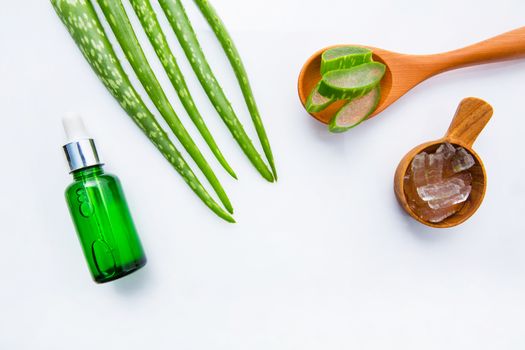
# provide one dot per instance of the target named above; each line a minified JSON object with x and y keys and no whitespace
{"x":355,"y":111}
{"x":353,"y":82}
{"x":344,"y":57}
{"x":317,"y":102}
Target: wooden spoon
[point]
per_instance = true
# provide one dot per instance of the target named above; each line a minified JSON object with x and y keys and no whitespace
{"x":406,"y":71}
{"x":471,"y":117}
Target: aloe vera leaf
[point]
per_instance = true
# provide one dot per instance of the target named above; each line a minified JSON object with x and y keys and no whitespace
{"x":317,"y":102}
{"x":186,"y":35}
{"x":353,"y":82}
{"x":232,"y":53}
{"x":84,"y":26}
{"x":156,"y":36}
{"x":119,"y":23}
{"x":355,"y":111}
{"x":344,"y":57}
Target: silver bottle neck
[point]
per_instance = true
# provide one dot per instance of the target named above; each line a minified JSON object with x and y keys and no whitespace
{"x":81,"y":154}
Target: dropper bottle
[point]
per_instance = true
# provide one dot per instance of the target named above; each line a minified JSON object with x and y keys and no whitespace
{"x":99,"y":210}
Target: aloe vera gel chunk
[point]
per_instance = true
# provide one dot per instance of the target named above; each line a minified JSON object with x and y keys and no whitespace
{"x":344,"y":57}
{"x":355,"y":111}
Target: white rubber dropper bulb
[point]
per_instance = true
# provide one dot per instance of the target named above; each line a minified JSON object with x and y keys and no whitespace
{"x":80,"y":148}
{"x":74,"y":128}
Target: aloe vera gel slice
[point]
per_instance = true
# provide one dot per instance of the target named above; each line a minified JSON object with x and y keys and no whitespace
{"x":317,"y":102}
{"x":344,"y":57}
{"x":351,"y":83}
{"x":355,"y":111}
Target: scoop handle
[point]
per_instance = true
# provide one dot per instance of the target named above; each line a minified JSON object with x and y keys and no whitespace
{"x":506,"y":46}
{"x":471,"y":117}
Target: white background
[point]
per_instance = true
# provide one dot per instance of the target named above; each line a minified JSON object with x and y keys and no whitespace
{"x":323,"y":259}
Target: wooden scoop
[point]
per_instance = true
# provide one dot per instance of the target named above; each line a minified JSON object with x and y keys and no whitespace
{"x":406,"y":71}
{"x":471,"y":117}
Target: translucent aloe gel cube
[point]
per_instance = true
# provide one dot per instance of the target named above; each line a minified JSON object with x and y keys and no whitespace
{"x":99,"y":210}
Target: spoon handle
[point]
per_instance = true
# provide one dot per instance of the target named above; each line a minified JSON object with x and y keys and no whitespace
{"x":507,"y":46}
{"x":471,"y":117}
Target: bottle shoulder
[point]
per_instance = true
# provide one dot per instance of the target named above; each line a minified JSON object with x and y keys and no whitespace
{"x":105,"y":179}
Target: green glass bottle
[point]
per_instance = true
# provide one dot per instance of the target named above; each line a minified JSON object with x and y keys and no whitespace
{"x":99,"y":211}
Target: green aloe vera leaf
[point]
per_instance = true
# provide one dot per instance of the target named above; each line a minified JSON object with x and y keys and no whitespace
{"x":186,"y":35}
{"x":156,"y":36}
{"x":344,"y":57}
{"x":85,"y":28}
{"x":353,"y":82}
{"x":119,"y":23}
{"x":228,"y":45}
{"x":355,"y":111}
{"x":317,"y":102}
